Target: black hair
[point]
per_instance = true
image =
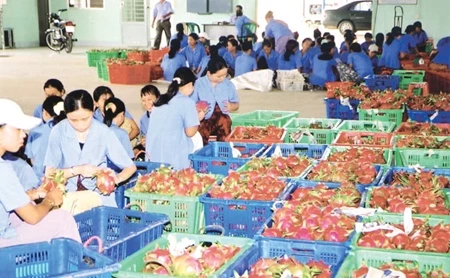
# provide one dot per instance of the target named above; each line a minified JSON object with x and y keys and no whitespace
{"x":326,"y":48}
{"x":317,"y":34}
{"x":194,"y":36}
{"x":239,"y":7}
{"x":150,"y":90}
{"x":100,"y":91}
{"x":319,"y":41}
{"x":180,"y":31}
{"x":306,"y":39}
{"x":296,"y":35}
{"x":78,"y":99}
{"x":230,"y":37}
{"x":418,"y":24}
{"x":239,"y":13}
{"x":409,"y":29}
{"x":110,"y":113}
{"x":355,"y":47}
{"x":330,"y":38}
{"x":326,"y":34}
{"x":263,"y":34}
{"x":213,"y":51}
{"x":379,"y":39}
{"x":54,"y":83}
{"x":174,"y":48}
{"x":234,"y":43}
{"x":49,"y":106}
{"x":222,"y":41}
{"x":182,"y":77}
{"x":368,"y":35}
{"x":267,"y":43}
{"x":290,"y":47}
{"x":395,"y":32}
{"x":246,"y":46}
{"x":261,"y":63}
{"x":215,"y":64}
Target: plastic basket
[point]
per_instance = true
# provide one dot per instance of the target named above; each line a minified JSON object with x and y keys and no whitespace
{"x":268,"y":142}
{"x":401,"y":129}
{"x":376,"y":258}
{"x":312,"y":151}
{"x":389,"y":175}
{"x":387,"y":154}
{"x":381,"y":139}
{"x":382,"y":82}
{"x":429,"y":158}
{"x":133,"y":265}
{"x":102,"y":70}
{"x":217,"y":157}
{"x":140,"y":56}
{"x":310,"y":135}
{"x":301,"y":251}
{"x":124,"y":74}
{"x":122,"y":231}
{"x":263,"y":118}
{"x":409,"y":76}
{"x":291,"y":85}
{"x":429,"y":116}
{"x":383,"y":115}
{"x":60,"y":257}
{"x":94,"y":57}
{"x":361,"y":187}
{"x":340,"y":110}
{"x":371,"y":126}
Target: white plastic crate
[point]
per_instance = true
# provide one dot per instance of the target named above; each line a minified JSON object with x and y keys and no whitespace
{"x":291,"y":85}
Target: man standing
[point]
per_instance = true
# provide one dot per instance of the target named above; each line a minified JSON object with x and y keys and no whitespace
{"x":233,"y":17}
{"x":161,"y":14}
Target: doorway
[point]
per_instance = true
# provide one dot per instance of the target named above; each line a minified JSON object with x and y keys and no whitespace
{"x":135,"y":23}
{"x":43,"y":10}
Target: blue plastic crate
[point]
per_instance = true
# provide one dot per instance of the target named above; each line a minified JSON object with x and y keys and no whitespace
{"x":361,"y":187}
{"x":58,"y":258}
{"x":382,"y":82}
{"x":309,"y":150}
{"x":122,"y":231}
{"x":389,"y":175}
{"x":217,"y":158}
{"x":336,"y":110}
{"x":301,"y":251}
{"x":429,"y":116}
{"x":240,"y":218}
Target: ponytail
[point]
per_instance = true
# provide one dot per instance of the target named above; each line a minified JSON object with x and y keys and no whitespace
{"x":54,"y":106}
{"x":175,"y":46}
{"x":182,"y":77}
{"x":113,"y":107}
{"x":180,"y":31}
{"x":389,"y":38}
{"x":290,"y":47}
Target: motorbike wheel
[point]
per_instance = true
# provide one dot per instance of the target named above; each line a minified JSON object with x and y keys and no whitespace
{"x":69,"y":43}
{"x":51,"y":42}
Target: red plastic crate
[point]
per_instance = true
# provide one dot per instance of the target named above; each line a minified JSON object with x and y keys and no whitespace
{"x":269,"y":142}
{"x":156,"y":71}
{"x":155,"y":55}
{"x":142,"y":56}
{"x":382,"y":139}
{"x":123,"y":74}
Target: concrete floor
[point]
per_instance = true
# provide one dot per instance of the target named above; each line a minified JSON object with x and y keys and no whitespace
{"x":24,"y":71}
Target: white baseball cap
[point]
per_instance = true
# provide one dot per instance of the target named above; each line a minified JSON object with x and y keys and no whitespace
{"x":203,"y":35}
{"x":11,"y":114}
{"x":373,"y":48}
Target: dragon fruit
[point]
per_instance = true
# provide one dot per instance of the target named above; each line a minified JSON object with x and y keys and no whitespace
{"x":54,"y":180}
{"x":106,"y":183}
{"x":202,"y":105}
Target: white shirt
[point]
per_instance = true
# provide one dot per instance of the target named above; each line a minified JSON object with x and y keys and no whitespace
{"x":162,"y":9}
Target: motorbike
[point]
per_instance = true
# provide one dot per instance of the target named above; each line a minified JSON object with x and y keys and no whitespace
{"x":60,"y":34}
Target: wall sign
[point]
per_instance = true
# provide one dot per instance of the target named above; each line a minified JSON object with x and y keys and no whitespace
{"x":399,"y":2}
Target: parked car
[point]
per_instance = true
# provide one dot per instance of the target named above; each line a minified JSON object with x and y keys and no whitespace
{"x":355,"y":16}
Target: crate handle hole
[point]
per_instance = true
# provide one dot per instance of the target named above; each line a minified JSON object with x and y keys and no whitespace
{"x":237,"y":207}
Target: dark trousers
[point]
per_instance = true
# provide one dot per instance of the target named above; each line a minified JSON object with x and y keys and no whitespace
{"x":160,"y":27}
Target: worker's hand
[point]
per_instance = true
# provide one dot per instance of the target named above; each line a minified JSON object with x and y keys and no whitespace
{"x":87,"y":170}
{"x":33,"y":194}
{"x":201,"y":114}
{"x":55,"y":196}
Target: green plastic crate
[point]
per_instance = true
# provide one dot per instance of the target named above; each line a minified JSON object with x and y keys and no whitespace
{"x":425,"y":262}
{"x":303,"y":123}
{"x":373,"y":126}
{"x":102,"y":70}
{"x":94,"y":57}
{"x":429,"y":158}
{"x":133,"y":265}
{"x":311,"y":135}
{"x":263,"y":118}
{"x":387,"y":153}
{"x":409,"y":76}
{"x":383,"y":115}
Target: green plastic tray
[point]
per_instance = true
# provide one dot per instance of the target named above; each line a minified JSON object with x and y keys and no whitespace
{"x":133,"y":265}
{"x":373,"y":126}
{"x":388,"y":156}
{"x":102,"y":70}
{"x":409,"y":76}
{"x":383,"y":115}
{"x":303,"y":123}
{"x":375,"y":258}
{"x":310,"y":135}
{"x":94,"y":57}
{"x":263,"y":118}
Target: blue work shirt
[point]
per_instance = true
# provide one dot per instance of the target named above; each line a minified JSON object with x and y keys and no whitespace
{"x":143,"y":123}
{"x":421,"y":37}
{"x":390,"y":56}
{"x":194,"y":56}
{"x":293,"y":62}
{"x":442,"y":42}
{"x":245,"y":63}
{"x":304,"y":60}
{"x":230,"y":59}
{"x":344,"y":56}
{"x":64,"y":151}
{"x":203,"y":65}
{"x":322,"y":71}
{"x":12,"y":197}
{"x":99,"y":116}
{"x":36,"y":147}
{"x":162,"y":9}
{"x":313,"y":52}
{"x":257,"y":48}
{"x":277,"y":29}
{"x":240,"y":21}
{"x":374,"y":61}
{"x":23,"y":170}
{"x":343,"y":47}
{"x":183,"y":41}
{"x":124,"y":139}
{"x":271,"y":59}
{"x":443,"y":55}
{"x":38,"y":111}
{"x":407,"y":43}
{"x":365,"y":46}
{"x":222,"y":50}
{"x":224,"y":91}
{"x":167,"y":141}
{"x":170,"y":65}
{"x":361,"y":63}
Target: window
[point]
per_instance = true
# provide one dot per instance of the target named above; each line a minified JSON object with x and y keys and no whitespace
{"x":362,"y":7}
{"x":133,"y":11}
{"x":83,"y":4}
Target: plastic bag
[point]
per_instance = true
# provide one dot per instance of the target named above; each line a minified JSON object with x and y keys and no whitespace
{"x":260,"y":81}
